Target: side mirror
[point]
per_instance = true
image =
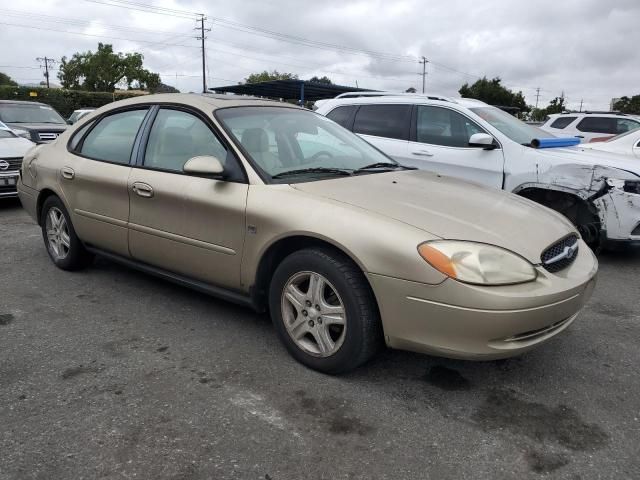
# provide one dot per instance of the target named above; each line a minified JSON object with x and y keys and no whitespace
{"x":482,"y":140}
{"x":205,"y":165}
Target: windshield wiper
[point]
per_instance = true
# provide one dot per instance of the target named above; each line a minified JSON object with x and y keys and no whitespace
{"x":387,"y":165}
{"x":302,"y":171}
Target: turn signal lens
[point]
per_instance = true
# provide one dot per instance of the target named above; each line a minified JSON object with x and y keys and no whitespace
{"x":477,"y":263}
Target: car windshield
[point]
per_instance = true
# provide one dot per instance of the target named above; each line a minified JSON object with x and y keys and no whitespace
{"x":515,"y":129}
{"x":291,"y":145}
{"x":29,"y":113}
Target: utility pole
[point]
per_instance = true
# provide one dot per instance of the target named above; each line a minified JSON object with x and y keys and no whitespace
{"x":537,"y":96}
{"x":202,"y":39}
{"x":581,"y":100}
{"x":424,"y":71}
{"x":47,"y":62}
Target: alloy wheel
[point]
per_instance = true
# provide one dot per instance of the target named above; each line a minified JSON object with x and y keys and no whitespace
{"x":57,"y":234}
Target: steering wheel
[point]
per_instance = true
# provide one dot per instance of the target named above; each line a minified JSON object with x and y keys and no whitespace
{"x":316,"y":155}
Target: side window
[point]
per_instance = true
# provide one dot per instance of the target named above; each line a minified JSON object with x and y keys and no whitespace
{"x":597,"y":125}
{"x":562,"y":122}
{"x":78,"y":136}
{"x":625,"y":125}
{"x":177,"y":136}
{"x":390,"y":121}
{"x":442,"y":126}
{"x":112,"y":138}
{"x":342,"y":115}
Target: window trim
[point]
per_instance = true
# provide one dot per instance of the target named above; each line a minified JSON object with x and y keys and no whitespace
{"x":96,"y":120}
{"x":145,"y":133}
{"x":407,"y":131}
{"x":414,"y":130}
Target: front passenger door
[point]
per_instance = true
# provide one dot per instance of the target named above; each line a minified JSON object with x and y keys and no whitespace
{"x":190,"y":225}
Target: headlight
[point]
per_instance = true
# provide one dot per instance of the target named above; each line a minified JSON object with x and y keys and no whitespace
{"x":22,"y":133}
{"x":477,"y":263}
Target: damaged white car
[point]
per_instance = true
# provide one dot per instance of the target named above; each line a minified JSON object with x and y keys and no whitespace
{"x":598,"y":191}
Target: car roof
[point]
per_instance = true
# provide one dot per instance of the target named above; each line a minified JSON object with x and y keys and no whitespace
{"x":202,"y":101}
{"x":22,"y":102}
{"x":410,"y":98}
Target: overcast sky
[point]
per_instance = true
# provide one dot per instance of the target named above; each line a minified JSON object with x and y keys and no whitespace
{"x":586,"y":48}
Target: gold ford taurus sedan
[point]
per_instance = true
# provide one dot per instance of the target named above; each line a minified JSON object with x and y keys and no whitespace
{"x":278,"y":208}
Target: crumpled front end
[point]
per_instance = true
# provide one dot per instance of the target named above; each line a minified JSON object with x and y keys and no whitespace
{"x":619,"y":210}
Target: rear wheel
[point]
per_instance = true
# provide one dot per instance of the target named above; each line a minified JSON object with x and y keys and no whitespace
{"x":324,"y":311}
{"x":63,"y":245}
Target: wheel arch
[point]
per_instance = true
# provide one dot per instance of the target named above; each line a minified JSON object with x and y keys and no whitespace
{"x":279,"y":249}
{"x":42,"y":197}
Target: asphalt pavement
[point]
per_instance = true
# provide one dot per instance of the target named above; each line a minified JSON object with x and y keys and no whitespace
{"x":109,"y":373}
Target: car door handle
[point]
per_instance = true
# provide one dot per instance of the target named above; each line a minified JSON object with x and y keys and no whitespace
{"x":142,"y":189}
{"x":579,"y":136}
{"x":68,"y":173}
{"x":423,"y":153}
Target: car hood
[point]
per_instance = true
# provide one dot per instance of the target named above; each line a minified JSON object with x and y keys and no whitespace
{"x":450,"y":208}
{"x":14,"y":147}
{"x":589,"y":156}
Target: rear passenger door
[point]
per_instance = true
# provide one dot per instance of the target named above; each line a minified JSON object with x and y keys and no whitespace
{"x":440,"y":143}
{"x":94,"y":176}
{"x":385,"y":126}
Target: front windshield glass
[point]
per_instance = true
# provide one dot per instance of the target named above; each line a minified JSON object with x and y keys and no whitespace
{"x":281,"y":140}
{"x":26,"y":113}
{"x":515,"y":129}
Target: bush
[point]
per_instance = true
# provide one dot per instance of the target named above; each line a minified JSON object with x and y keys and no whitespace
{"x":64,"y":101}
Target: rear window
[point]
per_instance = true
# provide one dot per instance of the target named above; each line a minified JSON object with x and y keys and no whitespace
{"x":389,"y":121}
{"x":342,"y":115}
{"x":562,"y":122}
{"x":598,"y":125}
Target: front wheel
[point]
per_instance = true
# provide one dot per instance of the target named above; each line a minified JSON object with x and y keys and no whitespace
{"x":63,"y":245}
{"x":324,"y":310}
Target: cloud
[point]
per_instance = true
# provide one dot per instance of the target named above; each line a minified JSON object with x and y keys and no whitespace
{"x":584,"y":48}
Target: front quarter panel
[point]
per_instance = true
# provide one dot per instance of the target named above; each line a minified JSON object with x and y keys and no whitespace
{"x":376,"y":243}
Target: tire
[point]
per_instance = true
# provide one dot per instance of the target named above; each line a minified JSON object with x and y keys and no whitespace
{"x":323,"y":343}
{"x":64,"y":248}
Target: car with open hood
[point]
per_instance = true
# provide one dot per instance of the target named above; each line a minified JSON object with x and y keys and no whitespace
{"x":465,"y":138}
{"x":278,"y":208}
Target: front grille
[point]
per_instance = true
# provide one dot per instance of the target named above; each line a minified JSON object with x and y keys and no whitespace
{"x":14,"y":164}
{"x":561,"y":254}
{"x":48,"y":136}
{"x":539,"y":332}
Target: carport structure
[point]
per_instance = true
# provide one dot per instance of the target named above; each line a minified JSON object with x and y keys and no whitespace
{"x":292,"y":89}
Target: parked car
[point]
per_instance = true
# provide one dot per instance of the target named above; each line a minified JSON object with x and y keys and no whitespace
{"x":465,"y":138}
{"x":35,"y":121}
{"x":78,"y":114}
{"x":12,"y":149}
{"x":625,"y":144}
{"x":589,"y":125}
{"x":273,"y":206}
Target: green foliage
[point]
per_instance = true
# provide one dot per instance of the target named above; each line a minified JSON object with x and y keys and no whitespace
{"x":268,"y":76}
{"x":628,"y":105}
{"x":64,"y":101}
{"x":6,"y":79}
{"x":410,"y":90}
{"x":557,"y":105}
{"x":493,"y":93}
{"x":326,"y":80}
{"x":104,"y":70}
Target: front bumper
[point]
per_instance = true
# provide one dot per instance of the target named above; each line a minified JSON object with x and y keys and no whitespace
{"x":8,"y":183}
{"x":458,"y":320}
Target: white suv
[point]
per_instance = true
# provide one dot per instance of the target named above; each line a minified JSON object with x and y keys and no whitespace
{"x":599,"y":192}
{"x":589,"y":125}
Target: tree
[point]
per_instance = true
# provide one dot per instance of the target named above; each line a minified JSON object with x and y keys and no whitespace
{"x":494,"y":93}
{"x":410,"y":90}
{"x":555,"y":106}
{"x":104,"y":70}
{"x":7,"y":80}
{"x":164,"y":88}
{"x":326,"y":80}
{"x":628,"y":105}
{"x":268,"y":76}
